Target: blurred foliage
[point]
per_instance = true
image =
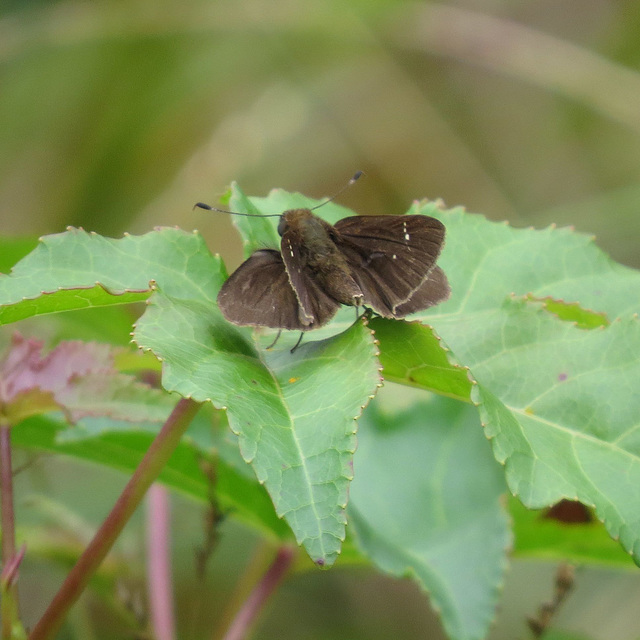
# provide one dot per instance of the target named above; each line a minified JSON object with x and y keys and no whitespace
{"x":118,"y":115}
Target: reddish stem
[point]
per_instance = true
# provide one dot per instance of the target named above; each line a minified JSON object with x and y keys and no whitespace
{"x":159,"y":563}
{"x":257,"y":599}
{"x":148,"y":469}
{"x":8,"y":588}
{"x":6,"y":478}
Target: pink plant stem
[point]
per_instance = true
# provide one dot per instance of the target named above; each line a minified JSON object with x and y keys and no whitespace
{"x":257,"y":599}
{"x":9,"y":591}
{"x":148,"y":469}
{"x":6,"y":477}
{"x":160,"y":584}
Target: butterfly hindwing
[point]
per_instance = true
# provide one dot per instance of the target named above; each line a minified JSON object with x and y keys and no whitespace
{"x":391,"y":256}
{"x":433,"y":290}
{"x":258,"y":293}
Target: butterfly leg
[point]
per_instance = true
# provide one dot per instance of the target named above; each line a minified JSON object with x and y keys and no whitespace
{"x":273,"y":344}
{"x":365,"y":313}
{"x":298,"y":343}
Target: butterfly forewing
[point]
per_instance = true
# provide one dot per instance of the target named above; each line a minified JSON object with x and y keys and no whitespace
{"x":390,"y":256}
{"x":258,"y":293}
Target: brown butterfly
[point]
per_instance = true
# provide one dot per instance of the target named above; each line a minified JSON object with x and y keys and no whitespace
{"x":385,"y":263}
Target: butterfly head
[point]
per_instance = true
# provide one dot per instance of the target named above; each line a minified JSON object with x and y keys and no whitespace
{"x":294,"y":218}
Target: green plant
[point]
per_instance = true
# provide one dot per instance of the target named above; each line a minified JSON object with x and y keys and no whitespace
{"x":538,"y":346}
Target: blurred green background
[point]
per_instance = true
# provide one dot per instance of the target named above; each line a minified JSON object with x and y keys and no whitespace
{"x":118,"y":115}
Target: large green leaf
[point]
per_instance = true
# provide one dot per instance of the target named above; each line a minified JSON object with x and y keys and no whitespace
{"x":78,"y":270}
{"x":426,"y":502}
{"x":559,"y":402}
{"x":556,"y":400}
{"x":294,"y":413}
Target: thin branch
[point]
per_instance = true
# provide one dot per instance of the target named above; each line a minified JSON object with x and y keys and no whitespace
{"x":159,"y":582}
{"x":257,"y":599}
{"x":148,"y":469}
{"x":213,"y":518}
{"x":562,"y":586}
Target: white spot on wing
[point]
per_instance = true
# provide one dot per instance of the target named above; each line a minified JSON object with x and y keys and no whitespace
{"x":407,"y":237}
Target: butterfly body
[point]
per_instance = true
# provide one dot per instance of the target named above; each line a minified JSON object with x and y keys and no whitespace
{"x":309,"y":244}
{"x":386,"y":263}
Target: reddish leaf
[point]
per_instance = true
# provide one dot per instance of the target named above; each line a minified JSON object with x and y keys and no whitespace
{"x":77,"y":378}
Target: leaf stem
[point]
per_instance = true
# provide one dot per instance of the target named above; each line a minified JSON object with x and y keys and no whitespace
{"x":6,"y":478}
{"x":159,"y":583}
{"x":8,"y":588}
{"x":246,"y":617}
{"x":148,"y":469}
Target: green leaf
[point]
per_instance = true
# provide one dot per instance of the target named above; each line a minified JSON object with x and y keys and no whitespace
{"x":293,"y":413}
{"x":522,"y":354}
{"x":77,"y":270}
{"x":121,"y":446}
{"x":559,"y":403}
{"x":426,"y":502}
{"x":573,"y":312}
{"x":572,"y":431}
{"x":276,"y":402}
{"x":257,"y":233}
{"x":413,"y":355}
{"x":537,"y":536}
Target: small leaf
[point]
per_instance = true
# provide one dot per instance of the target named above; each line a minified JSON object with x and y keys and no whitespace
{"x":573,"y":312}
{"x":257,"y":233}
{"x":411,"y":354}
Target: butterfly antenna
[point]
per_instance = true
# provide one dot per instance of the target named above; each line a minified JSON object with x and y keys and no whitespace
{"x":208,"y":207}
{"x":335,"y":195}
